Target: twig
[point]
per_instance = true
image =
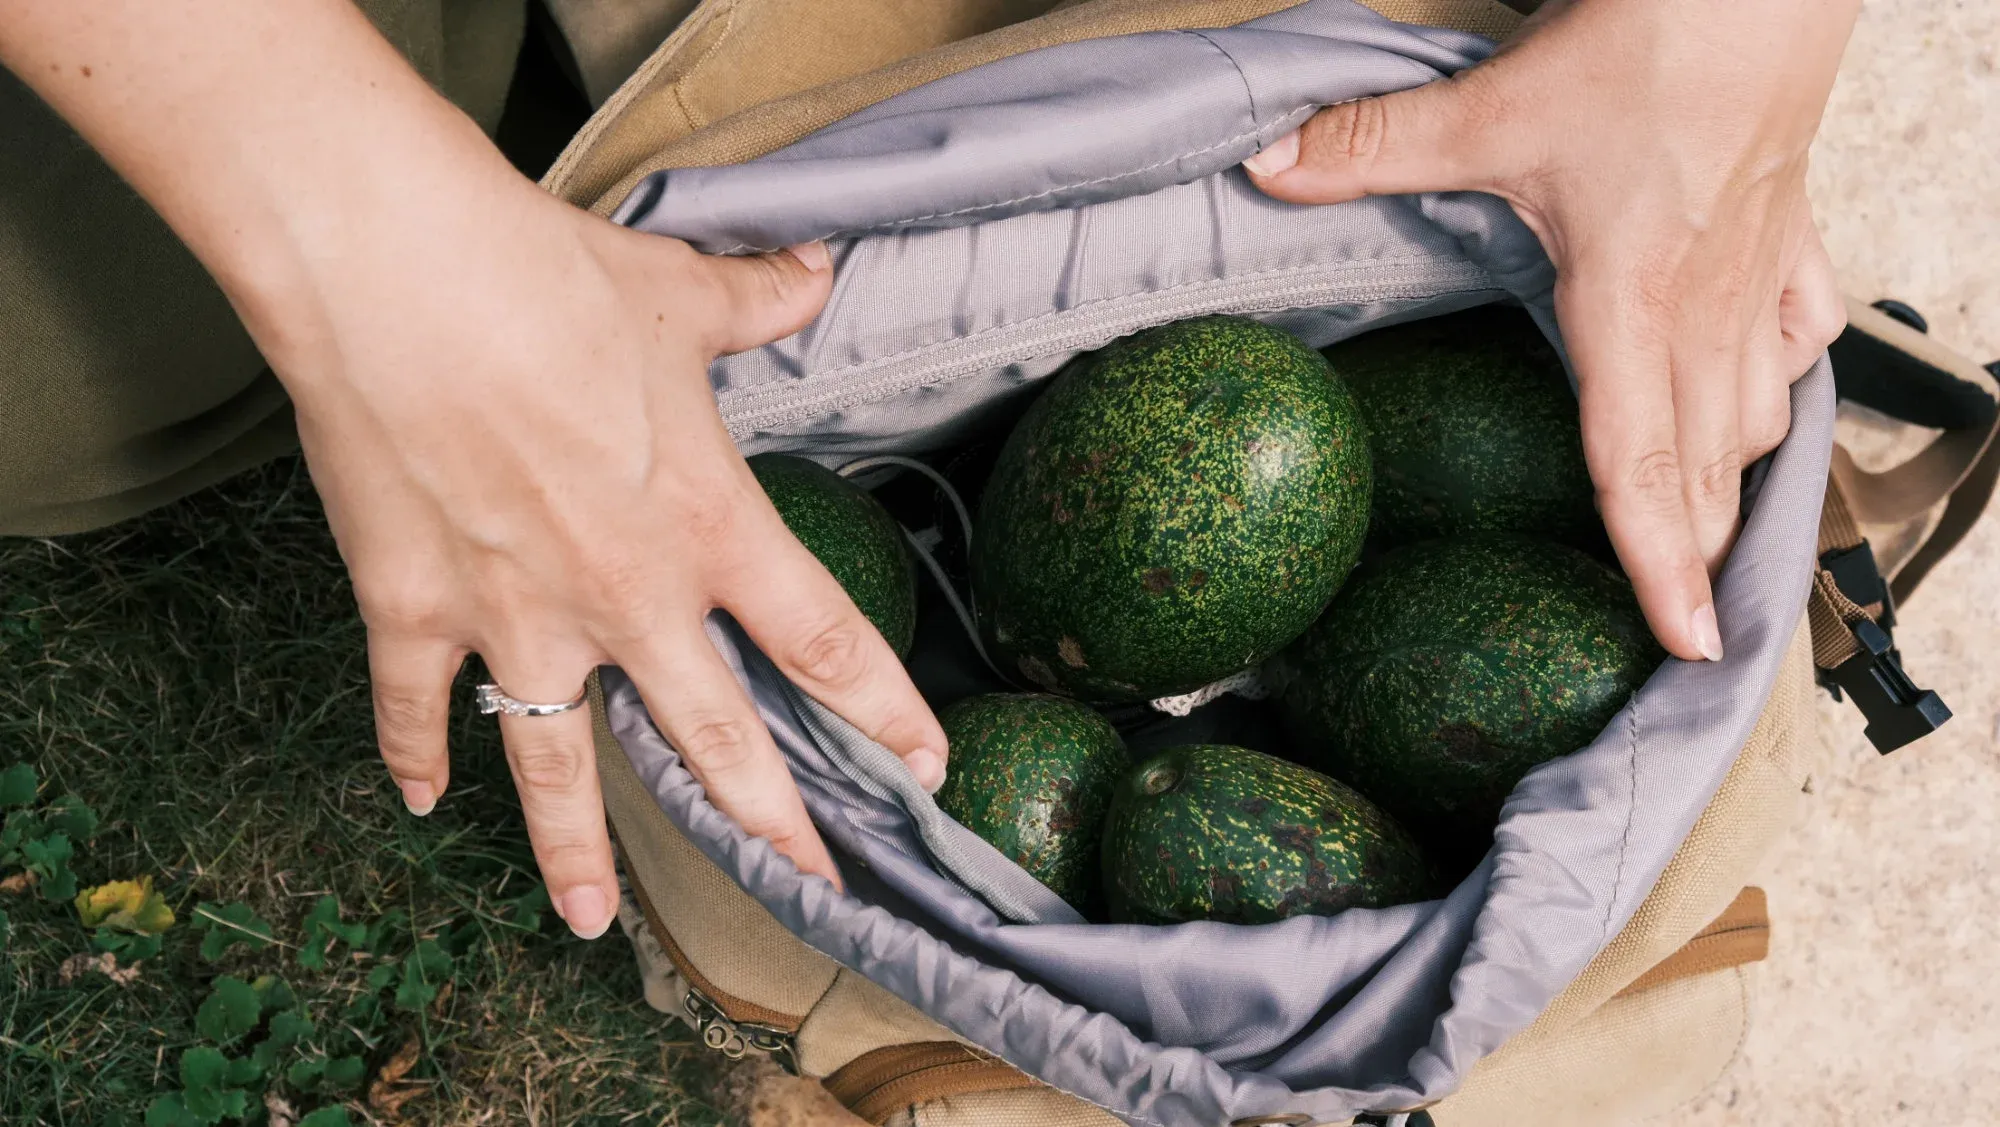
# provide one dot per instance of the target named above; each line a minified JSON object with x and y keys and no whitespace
{"x":211,"y":917}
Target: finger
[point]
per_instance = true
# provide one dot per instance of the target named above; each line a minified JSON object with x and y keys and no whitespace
{"x":805,"y":622}
{"x":1708,"y":373}
{"x":554,"y":762}
{"x":765,"y":297}
{"x":1441,"y":136}
{"x":410,"y":680}
{"x":1811,"y":311}
{"x":1615,"y":324}
{"x":700,"y":707}
{"x":1764,"y":400}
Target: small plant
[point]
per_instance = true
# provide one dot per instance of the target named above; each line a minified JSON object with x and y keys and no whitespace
{"x":323,"y":926}
{"x":41,"y":844}
{"x":129,"y":917}
{"x":216,"y":1086}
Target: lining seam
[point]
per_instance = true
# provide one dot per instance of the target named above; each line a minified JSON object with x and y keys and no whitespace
{"x":1631,"y":814}
{"x":749,"y":395}
{"x":901,"y":224}
{"x":1249,"y":95}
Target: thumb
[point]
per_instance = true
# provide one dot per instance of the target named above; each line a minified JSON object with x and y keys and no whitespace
{"x":1431,"y":138}
{"x":767,"y":297}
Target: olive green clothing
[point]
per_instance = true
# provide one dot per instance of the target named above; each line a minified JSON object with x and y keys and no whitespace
{"x":125,"y":379}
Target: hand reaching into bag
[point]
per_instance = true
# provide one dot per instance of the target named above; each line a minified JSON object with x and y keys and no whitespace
{"x":504,"y":402}
{"x":1658,"y":150}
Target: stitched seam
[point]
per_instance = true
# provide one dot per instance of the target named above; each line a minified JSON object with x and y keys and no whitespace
{"x":741,"y":248}
{"x":557,"y":178}
{"x":1631,"y":812}
{"x":680,"y":84}
{"x":1249,"y":95}
{"x":750,"y":395}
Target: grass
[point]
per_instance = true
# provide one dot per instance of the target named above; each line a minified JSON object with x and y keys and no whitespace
{"x":198,"y":677}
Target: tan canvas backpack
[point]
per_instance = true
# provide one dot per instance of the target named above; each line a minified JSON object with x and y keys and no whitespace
{"x":1656,"y":1014}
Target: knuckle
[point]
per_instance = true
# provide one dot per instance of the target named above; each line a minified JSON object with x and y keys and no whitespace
{"x":1821,"y":323}
{"x":1346,"y":135}
{"x":1718,"y":481}
{"x":718,"y":745}
{"x":546,"y":766}
{"x":1765,"y":431}
{"x":404,"y":719}
{"x":564,"y":854}
{"x":617,"y":580}
{"x":1654,"y":293}
{"x":403,"y":608}
{"x":707,"y":516}
{"x":833,"y":654}
{"x":1652,"y":479}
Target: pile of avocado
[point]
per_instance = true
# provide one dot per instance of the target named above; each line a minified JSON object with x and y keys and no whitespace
{"x":1398,"y":532}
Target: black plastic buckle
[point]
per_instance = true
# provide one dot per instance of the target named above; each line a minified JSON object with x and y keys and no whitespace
{"x":1417,"y":1118}
{"x":1855,"y":573}
{"x":1898,"y":711}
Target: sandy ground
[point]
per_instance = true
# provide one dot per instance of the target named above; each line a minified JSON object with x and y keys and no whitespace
{"x":1881,"y":1001}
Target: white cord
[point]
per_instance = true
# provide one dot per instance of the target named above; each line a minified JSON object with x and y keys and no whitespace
{"x":863,"y":465}
{"x":966,"y":619}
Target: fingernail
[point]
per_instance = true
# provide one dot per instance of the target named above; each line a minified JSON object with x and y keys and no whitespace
{"x":928,"y":767}
{"x":419,"y":796}
{"x":1707,"y":638}
{"x":585,"y":911}
{"x":1276,"y":156}
{"x":812,"y":256}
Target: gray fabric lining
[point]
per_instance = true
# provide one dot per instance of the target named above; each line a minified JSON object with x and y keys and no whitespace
{"x":982,"y":869}
{"x":929,"y":326}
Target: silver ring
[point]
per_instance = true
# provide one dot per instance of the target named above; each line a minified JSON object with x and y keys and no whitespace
{"x":492,"y":699}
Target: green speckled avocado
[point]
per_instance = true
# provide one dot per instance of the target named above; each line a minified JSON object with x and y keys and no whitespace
{"x":1473,"y":427}
{"x":1449,"y":668}
{"x":1033,"y":774}
{"x":1221,"y":833}
{"x":852,"y":535}
{"x":1176,"y":507}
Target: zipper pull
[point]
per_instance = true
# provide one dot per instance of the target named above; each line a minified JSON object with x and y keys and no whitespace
{"x":732,"y":1038}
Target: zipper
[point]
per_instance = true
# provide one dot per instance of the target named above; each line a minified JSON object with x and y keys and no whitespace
{"x":734,"y":1038}
{"x":766,"y":408}
{"x":725,"y":1023}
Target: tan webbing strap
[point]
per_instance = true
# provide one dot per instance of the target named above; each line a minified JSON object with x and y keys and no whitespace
{"x":877,"y":1084}
{"x":1959,"y":467}
{"x":1968,"y":502}
{"x":1828,"y":609}
{"x":1837,"y":526}
{"x":1740,"y":935}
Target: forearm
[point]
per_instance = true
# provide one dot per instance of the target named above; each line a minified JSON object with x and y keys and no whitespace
{"x":274,"y":136}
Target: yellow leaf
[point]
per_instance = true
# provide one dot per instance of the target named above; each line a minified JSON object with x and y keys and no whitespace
{"x":125,"y":905}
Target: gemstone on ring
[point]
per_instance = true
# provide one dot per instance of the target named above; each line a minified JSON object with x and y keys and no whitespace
{"x":492,"y":699}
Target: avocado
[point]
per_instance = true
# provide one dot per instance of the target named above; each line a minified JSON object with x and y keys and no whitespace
{"x":852,"y":535}
{"x":1473,"y":427}
{"x":1176,"y":507}
{"x":1033,"y":775}
{"x":1213,"y":832}
{"x":1447,"y":669}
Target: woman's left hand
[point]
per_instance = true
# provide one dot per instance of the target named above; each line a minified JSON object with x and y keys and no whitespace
{"x":1657,"y":148}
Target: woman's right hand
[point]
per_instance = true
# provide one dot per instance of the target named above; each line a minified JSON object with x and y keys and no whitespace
{"x":503,"y":400}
